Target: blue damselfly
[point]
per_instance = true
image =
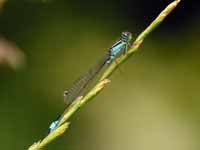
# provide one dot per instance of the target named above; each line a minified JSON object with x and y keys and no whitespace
{"x":79,"y":86}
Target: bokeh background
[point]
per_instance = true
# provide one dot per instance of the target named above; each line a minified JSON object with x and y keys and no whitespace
{"x":153,"y":103}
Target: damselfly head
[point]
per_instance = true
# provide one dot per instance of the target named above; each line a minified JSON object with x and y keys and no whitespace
{"x":126,"y":36}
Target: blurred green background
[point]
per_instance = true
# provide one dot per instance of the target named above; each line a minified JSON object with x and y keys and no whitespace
{"x":152,"y":104}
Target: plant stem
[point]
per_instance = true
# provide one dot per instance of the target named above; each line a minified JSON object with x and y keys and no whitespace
{"x":81,"y":101}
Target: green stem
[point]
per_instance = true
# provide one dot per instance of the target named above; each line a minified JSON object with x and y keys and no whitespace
{"x":81,"y":101}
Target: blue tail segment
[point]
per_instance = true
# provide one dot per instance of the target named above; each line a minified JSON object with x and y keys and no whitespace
{"x":54,"y":124}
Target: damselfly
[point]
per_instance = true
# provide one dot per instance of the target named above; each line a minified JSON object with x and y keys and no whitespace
{"x":79,"y":86}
